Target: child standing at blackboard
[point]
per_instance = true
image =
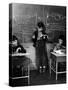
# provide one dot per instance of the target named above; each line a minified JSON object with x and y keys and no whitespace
{"x":40,"y":39}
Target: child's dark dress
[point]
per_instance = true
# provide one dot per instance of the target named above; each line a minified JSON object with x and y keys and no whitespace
{"x":41,"y":50}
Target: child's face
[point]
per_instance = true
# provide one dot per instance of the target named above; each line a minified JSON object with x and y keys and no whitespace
{"x":60,"y":41}
{"x":40,"y":29}
{"x":14,"y":43}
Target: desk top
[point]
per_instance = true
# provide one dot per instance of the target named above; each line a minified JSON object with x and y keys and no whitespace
{"x":20,"y":54}
{"x":58,"y":55}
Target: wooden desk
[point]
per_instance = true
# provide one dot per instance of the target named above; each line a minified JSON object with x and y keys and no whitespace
{"x":57,"y":58}
{"x":20,"y":55}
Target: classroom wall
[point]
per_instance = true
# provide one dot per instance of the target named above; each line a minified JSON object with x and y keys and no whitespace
{"x":25,"y":18}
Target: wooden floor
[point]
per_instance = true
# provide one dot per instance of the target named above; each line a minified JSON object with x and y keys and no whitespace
{"x":45,"y":78}
{"x":37,"y":78}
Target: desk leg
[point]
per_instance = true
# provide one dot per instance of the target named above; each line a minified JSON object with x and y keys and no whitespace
{"x":56,"y":69}
{"x":50,"y":66}
{"x":28,"y":75}
{"x":22,"y":71}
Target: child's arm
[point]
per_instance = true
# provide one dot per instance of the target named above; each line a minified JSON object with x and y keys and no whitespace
{"x":55,"y":48}
{"x":17,"y":50}
{"x":20,"y":49}
{"x":33,"y":37}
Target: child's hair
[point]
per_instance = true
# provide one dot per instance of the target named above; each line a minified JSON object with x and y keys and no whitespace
{"x":61,"y":37}
{"x":14,"y":38}
{"x":41,"y":25}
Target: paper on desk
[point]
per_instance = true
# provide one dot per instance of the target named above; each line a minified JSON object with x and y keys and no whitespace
{"x":59,"y":52}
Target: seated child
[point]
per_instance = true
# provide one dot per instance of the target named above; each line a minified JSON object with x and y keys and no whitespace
{"x":16,"y":47}
{"x":59,"y":45}
{"x":20,"y":63}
